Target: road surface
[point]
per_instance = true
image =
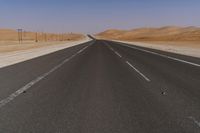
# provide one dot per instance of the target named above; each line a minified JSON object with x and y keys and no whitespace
{"x":102,"y":87}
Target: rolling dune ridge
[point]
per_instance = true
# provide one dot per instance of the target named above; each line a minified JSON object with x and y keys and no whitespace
{"x":168,"y":33}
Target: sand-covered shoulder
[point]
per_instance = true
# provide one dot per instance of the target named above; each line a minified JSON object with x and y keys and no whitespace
{"x":20,"y":55}
{"x":181,"y":40}
{"x":9,"y":39}
{"x":185,"y":48}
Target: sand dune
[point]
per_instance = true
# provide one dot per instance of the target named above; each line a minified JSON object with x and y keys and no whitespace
{"x":168,"y":33}
{"x":181,"y":40}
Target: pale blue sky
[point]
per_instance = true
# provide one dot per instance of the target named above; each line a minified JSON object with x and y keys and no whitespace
{"x":92,"y":16}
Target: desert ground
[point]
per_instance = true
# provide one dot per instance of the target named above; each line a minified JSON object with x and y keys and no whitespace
{"x":17,"y":56}
{"x":182,"y":40}
{"x":9,"y":39}
{"x":33,"y":45}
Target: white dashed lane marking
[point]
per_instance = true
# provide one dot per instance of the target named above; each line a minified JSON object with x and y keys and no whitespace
{"x":118,"y":54}
{"x":147,"y":79}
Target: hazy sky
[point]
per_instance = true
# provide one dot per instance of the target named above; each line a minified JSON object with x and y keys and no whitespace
{"x":92,"y":16}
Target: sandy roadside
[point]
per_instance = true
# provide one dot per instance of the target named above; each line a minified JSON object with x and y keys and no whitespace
{"x":184,"y":48}
{"x":12,"y":57}
{"x":10,"y":46}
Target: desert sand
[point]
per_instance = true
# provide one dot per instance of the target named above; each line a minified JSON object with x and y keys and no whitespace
{"x":33,"y":45}
{"x":13,"y":57}
{"x":9,"y":35}
{"x":184,"y":48}
{"x":9,"y":39}
{"x":181,"y":40}
{"x":168,"y":33}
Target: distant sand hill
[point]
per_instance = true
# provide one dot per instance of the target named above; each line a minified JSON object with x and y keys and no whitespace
{"x":168,"y":33}
{"x":12,"y":35}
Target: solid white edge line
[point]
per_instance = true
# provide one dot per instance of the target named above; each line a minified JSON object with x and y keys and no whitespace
{"x":33,"y":82}
{"x":165,"y":56}
{"x":147,"y":79}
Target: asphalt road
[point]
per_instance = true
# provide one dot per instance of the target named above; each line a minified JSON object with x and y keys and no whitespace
{"x":102,"y":87}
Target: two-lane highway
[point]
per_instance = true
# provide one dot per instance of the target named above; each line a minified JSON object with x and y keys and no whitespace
{"x":102,"y":87}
